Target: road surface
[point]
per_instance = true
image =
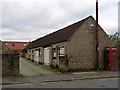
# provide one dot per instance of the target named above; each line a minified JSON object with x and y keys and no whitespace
{"x":29,"y":68}
{"x":95,"y":83}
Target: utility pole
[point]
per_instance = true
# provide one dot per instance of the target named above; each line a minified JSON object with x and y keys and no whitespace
{"x":97,"y":39}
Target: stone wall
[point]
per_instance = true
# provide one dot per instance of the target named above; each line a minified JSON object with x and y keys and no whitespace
{"x":61,"y":64}
{"x":10,"y":64}
{"x":81,"y":47}
{"x":41,"y":58}
{"x":30,"y":54}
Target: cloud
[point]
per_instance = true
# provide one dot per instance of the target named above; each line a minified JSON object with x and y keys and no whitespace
{"x":108,"y":17}
{"x":110,"y":26}
{"x":28,"y":21}
{"x":30,"y":34}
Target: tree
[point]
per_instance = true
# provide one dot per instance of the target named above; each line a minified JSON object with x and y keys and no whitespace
{"x":115,"y":38}
{"x":116,"y":42}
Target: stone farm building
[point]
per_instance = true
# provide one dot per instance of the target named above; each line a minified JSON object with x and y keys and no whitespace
{"x":13,"y":45}
{"x":71,"y":48}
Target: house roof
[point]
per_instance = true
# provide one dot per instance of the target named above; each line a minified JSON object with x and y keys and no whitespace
{"x":2,"y":46}
{"x":56,"y":37}
{"x":17,"y":45}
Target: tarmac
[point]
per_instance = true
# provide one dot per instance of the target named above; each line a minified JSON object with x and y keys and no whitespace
{"x":60,"y":77}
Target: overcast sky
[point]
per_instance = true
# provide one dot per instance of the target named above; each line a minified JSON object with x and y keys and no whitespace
{"x":25,"y":20}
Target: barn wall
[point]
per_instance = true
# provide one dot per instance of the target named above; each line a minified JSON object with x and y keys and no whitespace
{"x":81,"y":47}
{"x":104,"y":41}
{"x":57,"y":62}
{"x":42,"y":55}
{"x":30,"y":54}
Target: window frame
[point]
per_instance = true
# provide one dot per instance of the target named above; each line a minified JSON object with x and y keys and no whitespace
{"x":60,"y":54}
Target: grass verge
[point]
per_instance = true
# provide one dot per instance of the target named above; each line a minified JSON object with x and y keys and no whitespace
{"x":49,"y":68}
{"x":21,"y":75}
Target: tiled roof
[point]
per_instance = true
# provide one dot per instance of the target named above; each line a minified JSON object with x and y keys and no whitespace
{"x":2,"y":46}
{"x":17,"y":45}
{"x":56,"y":37}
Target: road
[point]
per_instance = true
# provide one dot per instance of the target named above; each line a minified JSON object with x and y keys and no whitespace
{"x":29,"y":68}
{"x":95,"y":83}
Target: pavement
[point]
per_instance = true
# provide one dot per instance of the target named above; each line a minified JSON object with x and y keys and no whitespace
{"x":109,"y":83}
{"x":61,"y":77}
{"x":42,"y":75}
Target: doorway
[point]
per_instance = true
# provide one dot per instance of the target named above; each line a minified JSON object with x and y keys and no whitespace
{"x":36,"y":57}
{"x":46,"y":55}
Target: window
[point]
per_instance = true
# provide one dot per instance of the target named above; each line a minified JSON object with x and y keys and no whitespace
{"x":62,"y":51}
{"x":13,"y":44}
{"x":6,"y":44}
{"x":54,"y":53}
{"x":25,"y":45}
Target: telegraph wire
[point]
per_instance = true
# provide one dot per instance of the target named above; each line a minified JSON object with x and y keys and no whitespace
{"x":114,"y":5}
